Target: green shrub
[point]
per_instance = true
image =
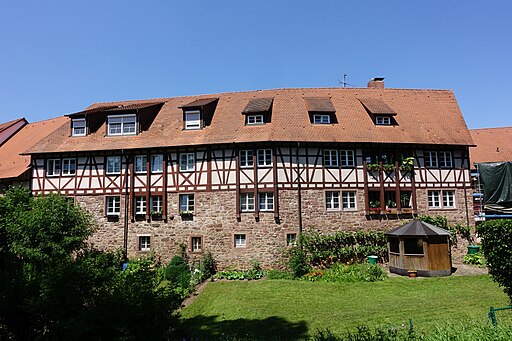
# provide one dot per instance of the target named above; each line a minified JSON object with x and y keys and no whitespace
{"x":178,"y":273}
{"x":353,"y":273}
{"x":278,"y":274}
{"x":298,"y":262}
{"x":475,"y":259}
{"x":496,"y":241}
{"x":255,"y":272}
{"x":208,"y":266}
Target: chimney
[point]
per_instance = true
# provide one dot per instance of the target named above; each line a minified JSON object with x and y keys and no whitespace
{"x":376,"y":83}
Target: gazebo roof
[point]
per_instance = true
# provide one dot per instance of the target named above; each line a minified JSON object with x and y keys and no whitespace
{"x":417,"y":228}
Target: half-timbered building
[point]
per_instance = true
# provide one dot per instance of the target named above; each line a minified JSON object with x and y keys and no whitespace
{"x":242,"y":174}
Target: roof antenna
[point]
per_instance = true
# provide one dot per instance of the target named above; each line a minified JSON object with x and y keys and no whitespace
{"x":344,"y":83}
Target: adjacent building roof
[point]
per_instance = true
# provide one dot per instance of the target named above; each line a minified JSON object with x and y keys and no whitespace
{"x":426,"y":117}
{"x":8,"y":129}
{"x":417,"y":228}
{"x":492,"y":145}
{"x":12,"y":164}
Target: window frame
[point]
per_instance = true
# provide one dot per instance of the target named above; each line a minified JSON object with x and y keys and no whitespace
{"x":446,"y":198}
{"x":73,"y":127}
{"x":332,"y":200}
{"x":254,"y":119}
{"x":246,"y":158}
{"x":188,"y":205}
{"x":240,"y":237}
{"x":107,"y":165}
{"x":349,"y":197}
{"x":159,"y":204}
{"x":122,"y":124}
{"x":192,"y":124}
{"x":53,"y":167}
{"x":144,"y":243}
{"x":443,"y":161}
{"x":434,"y":199}
{"x":143,"y":164}
{"x":153,"y":163}
{"x":187,"y":166}
{"x":113,"y":205}
{"x":347,"y":155}
{"x":329,"y":161}
{"x":66,"y":171}
{"x":245,"y":202}
{"x":382,"y":120}
{"x":431,"y":161}
{"x":264,"y":157}
{"x":319,"y":119}
{"x":443,"y":197}
{"x":194,"y":247}
{"x":291,"y":241}
{"x":267,"y":204}
{"x":140,"y":205}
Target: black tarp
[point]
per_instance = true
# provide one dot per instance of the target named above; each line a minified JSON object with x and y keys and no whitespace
{"x":496,"y":179}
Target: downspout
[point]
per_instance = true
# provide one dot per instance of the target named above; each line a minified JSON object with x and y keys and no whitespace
{"x":125,"y":232}
{"x":299,"y":194}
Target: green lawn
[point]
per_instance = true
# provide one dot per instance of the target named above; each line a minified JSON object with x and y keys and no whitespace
{"x":295,"y":309}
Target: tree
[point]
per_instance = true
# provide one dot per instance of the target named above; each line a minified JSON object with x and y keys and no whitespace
{"x":496,"y":246}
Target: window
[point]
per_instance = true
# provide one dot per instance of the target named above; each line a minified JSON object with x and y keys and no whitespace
{"x":187,"y":162}
{"x":348,"y":200}
{"x":140,"y":205}
{"x":413,"y":246}
{"x":121,"y":125}
{"x":53,"y":167}
{"x":113,"y":205}
{"x":347,"y":158}
{"x":186,"y":203}
{"x":113,"y":164}
{"x":383,"y":120}
{"x":330,"y":158}
{"x":192,"y":120}
{"x":332,"y":200}
{"x":264,"y":157}
{"x":445,"y":159}
{"x":156,"y":204}
{"x":144,"y":243}
{"x":431,"y":159}
{"x":68,"y":166}
{"x":321,"y":119}
{"x":196,"y":244}
{"x":266,"y":201}
{"x":434,"y":199}
{"x":78,"y":127}
{"x":240,"y":240}
{"x":246,"y":158}
{"x":394,"y":245}
{"x":291,"y":239}
{"x":141,"y":165}
{"x":448,"y":199}
{"x":157,"y":163}
{"x":247,"y":202}
{"x":254,"y":119}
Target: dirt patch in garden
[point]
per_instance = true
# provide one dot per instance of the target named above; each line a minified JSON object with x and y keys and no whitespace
{"x":188,"y":301}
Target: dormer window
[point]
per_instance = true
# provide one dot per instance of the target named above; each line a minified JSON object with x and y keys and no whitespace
{"x":254,"y":119}
{"x":258,"y":111}
{"x":321,"y":110}
{"x":192,"y":119}
{"x":121,"y":125}
{"x":321,"y":119}
{"x":78,"y":127}
{"x":383,"y":120}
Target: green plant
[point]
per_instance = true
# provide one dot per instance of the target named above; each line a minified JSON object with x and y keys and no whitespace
{"x":340,"y":272}
{"x":475,"y":259}
{"x":208,"y":266}
{"x":407,"y":164}
{"x":405,"y":199}
{"x":313,"y":276}
{"x":297,"y":261}
{"x":496,"y":240}
{"x":388,"y":167}
{"x":375,"y":204}
{"x":390,"y":204}
{"x":278,"y":274}
{"x":372,"y":166}
{"x":178,"y":273}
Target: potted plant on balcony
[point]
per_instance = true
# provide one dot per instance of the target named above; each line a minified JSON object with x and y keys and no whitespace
{"x":388,"y":167}
{"x":374,"y":207}
{"x":407,"y":164}
{"x":391,"y":207}
{"x":372,"y":166}
{"x":405,"y":199}
{"x":155,"y":215}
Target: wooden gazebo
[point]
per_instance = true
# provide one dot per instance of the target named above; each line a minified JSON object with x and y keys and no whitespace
{"x":421,"y":247}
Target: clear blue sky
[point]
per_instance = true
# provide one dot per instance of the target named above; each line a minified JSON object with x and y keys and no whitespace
{"x":59,"y":57}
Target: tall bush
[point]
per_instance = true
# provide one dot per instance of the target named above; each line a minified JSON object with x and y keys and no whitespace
{"x":496,"y":246}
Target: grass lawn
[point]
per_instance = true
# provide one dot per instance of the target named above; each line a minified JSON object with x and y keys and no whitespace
{"x":294,"y":309}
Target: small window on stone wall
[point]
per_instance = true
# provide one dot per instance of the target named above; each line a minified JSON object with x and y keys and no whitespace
{"x":291,"y":239}
{"x":196,"y":244}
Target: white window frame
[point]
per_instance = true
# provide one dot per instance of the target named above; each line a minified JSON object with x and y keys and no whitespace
{"x":110,"y":165}
{"x":332,"y":200}
{"x":144,"y":243}
{"x":187,"y":162}
{"x":240,"y":240}
{"x":247,"y":203}
{"x":264,"y":157}
{"x":266,"y":201}
{"x":331,"y":158}
{"x":348,"y":200}
{"x":124,"y":124}
{"x":78,"y":127}
{"x":156,"y":203}
{"x":141,"y":163}
{"x":347,"y":158}
{"x":445,"y":159}
{"x":383,"y":120}
{"x":192,"y":119}
{"x":255,"y":119}
{"x":291,"y":239}
{"x":321,"y":119}
{"x":196,"y":244}
{"x":434,"y":199}
{"x":140,"y":205}
{"x":448,"y":199}
{"x":68,"y":166}
{"x":187,"y":203}
{"x":430,"y":158}
{"x":157,"y":163}
{"x":113,"y":205}
{"x":53,"y":167}
{"x":246,"y":158}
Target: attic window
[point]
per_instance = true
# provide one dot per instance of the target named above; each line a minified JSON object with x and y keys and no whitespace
{"x":321,"y":110}
{"x":383,"y":120}
{"x":379,"y":111}
{"x":258,"y":111}
{"x":78,"y":127}
{"x":199,"y":113}
{"x":192,"y":119}
{"x":121,"y":124}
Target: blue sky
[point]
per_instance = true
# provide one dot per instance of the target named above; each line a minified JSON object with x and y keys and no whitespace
{"x":59,"y":57}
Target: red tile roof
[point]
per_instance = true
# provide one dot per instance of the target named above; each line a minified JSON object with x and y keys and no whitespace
{"x":12,"y":164}
{"x":8,"y":129}
{"x":492,"y":145}
{"x":423,"y":117}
